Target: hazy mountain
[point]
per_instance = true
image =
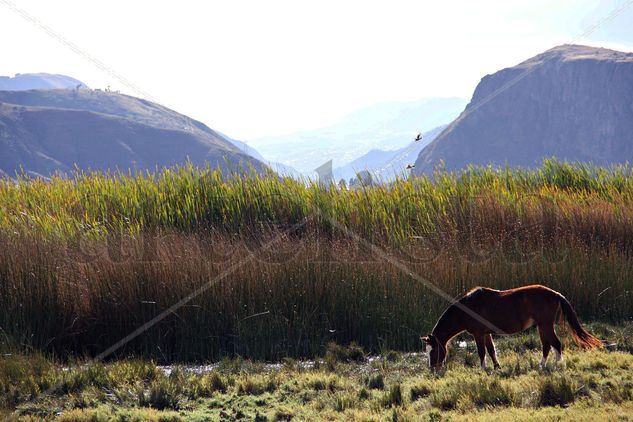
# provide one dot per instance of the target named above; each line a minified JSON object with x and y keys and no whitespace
{"x":384,"y":126}
{"x":45,"y":131}
{"x":386,"y":165}
{"x":281,"y":169}
{"x":24,"y":81}
{"x":573,"y":102}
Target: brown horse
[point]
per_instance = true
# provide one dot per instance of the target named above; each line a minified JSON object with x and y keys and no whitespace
{"x":483,"y":312}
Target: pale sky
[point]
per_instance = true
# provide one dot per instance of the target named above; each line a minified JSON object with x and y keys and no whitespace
{"x":256,"y":68}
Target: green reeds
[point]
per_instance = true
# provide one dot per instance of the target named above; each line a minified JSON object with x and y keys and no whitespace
{"x":87,"y":260}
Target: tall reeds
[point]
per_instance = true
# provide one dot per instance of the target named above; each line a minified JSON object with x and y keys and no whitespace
{"x":291,"y":266}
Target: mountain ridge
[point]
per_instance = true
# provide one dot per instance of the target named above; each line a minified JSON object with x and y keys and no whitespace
{"x":572,"y":102}
{"x":386,"y":165}
{"x":24,"y":81}
{"x":386,"y":126}
{"x":49,"y":131}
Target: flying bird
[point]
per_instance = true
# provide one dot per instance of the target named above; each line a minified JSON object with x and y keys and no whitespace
{"x":410,"y":166}
{"x":418,"y":137}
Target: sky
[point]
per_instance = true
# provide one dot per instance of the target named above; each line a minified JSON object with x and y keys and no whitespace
{"x":259,"y":68}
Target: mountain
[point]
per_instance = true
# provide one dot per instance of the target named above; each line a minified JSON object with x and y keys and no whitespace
{"x":385,"y":126}
{"x":48,"y":131}
{"x":279,"y":168}
{"x":386,"y":165}
{"x":572,"y":102}
{"x":24,"y":81}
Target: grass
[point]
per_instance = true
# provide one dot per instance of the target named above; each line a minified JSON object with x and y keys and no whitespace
{"x":595,"y":385}
{"x":85,"y":261}
{"x":188,"y":198}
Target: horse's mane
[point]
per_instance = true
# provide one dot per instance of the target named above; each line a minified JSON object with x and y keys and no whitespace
{"x":473,"y":292}
{"x":476,"y":291}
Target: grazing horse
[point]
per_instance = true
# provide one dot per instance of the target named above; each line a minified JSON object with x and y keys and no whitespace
{"x":483,"y":312}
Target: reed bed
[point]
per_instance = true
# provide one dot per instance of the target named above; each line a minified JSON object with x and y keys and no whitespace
{"x":287,"y":267}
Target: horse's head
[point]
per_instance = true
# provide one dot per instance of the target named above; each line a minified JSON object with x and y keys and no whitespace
{"x":435,"y":350}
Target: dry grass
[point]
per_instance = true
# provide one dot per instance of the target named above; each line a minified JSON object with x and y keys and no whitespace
{"x":594,"y":385}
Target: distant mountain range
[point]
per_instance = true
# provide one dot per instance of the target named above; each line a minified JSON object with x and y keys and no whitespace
{"x":281,"y":169}
{"x":386,"y":126}
{"x":572,"y":102}
{"x":386,"y":165}
{"x":26,"y":81}
{"x":48,"y":131}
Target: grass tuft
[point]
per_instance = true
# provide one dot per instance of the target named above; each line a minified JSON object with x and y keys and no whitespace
{"x":375,"y":381}
{"x":556,"y":391}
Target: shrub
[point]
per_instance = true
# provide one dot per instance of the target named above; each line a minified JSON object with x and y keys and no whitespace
{"x":481,"y":392}
{"x":392,"y":397}
{"x":256,"y":385}
{"x":320,"y":382}
{"x":491,"y":393}
{"x":445,"y":399}
{"x":283,"y":415}
{"x":206,"y":385}
{"x":75,"y":380}
{"x":162,"y":394}
{"x":616,"y":393}
{"x":352,"y":353}
{"x":419,"y":391}
{"x":375,"y":381}
{"x":556,"y":391}
{"x":133,"y":370}
{"x":391,"y":356}
{"x":344,"y":401}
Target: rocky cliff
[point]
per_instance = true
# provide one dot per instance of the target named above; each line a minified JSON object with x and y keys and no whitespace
{"x":572,"y":102}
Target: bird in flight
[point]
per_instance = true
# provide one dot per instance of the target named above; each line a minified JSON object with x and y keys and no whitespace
{"x":418,"y":137}
{"x":410,"y":166}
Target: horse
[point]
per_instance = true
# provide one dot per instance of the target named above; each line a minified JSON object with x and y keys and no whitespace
{"x":484,"y":311}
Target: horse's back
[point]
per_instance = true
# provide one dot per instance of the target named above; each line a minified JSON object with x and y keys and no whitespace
{"x":480,"y":291}
{"x":529,"y":290}
{"x":514,"y":309}
{"x":533,"y":291}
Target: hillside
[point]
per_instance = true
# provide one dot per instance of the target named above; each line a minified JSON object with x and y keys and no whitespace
{"x":572,"y":102}
{"x":24,"y":81}
{"x":279,"y":168}
{"x":46,"y":131}
{"x":384,"y":126}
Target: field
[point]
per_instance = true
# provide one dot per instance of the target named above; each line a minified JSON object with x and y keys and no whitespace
{"x":192,"y":266}
{"x":343,"y":385}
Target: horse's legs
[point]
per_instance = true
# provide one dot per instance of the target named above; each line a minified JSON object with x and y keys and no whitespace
{"x":545,"y":341}
{"x":481,"y":349}
{"x":490,"y":346}
{"x":554,"y":341}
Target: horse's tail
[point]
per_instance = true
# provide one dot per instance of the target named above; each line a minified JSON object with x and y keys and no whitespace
{"x":581,"y":336}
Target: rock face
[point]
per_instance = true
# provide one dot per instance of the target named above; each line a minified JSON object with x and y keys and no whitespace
{"x":48,"y":131}
{"x":572,"y":102}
